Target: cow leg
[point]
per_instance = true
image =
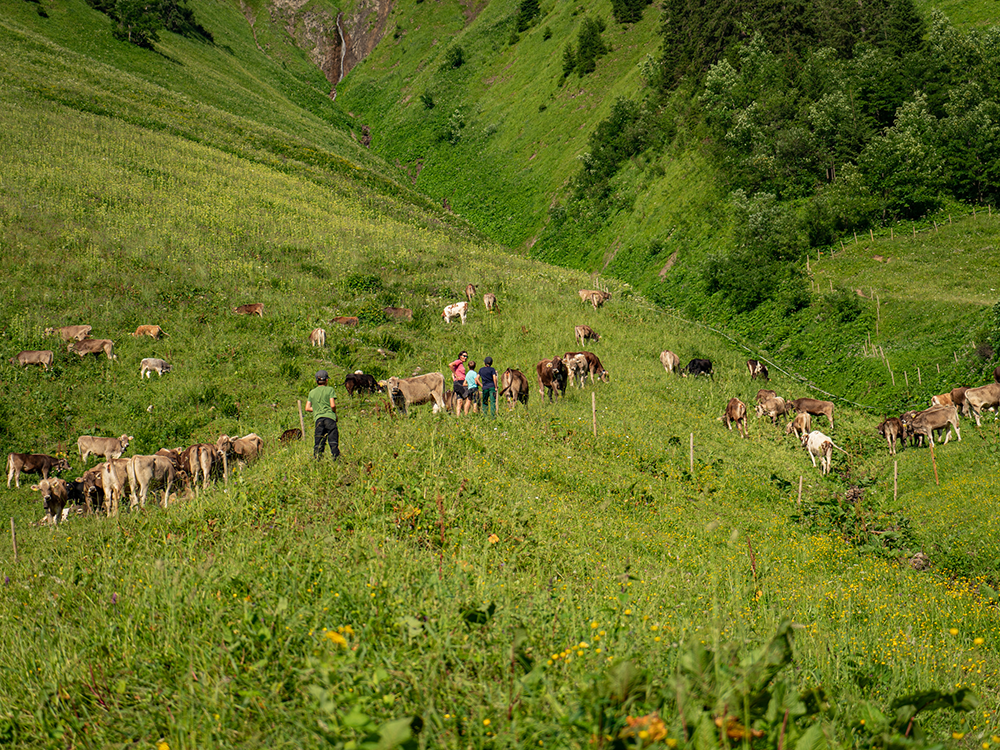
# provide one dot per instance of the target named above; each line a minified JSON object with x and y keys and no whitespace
{"x":812,"y":456}
{"x":958,"y":432}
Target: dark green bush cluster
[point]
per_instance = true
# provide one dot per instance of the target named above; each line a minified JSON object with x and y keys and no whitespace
{"x":363,"y":283}
{"x":139,"y":22}
{"x":628,"y":11}
{"x":527,"y":12}
{"x":453,"y":58}
{"x":589,"y":46}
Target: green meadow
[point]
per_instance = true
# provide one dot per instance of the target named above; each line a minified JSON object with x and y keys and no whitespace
{"x":611,"y":570}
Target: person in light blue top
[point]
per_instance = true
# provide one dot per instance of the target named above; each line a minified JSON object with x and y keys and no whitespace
{"x":472,"y":386}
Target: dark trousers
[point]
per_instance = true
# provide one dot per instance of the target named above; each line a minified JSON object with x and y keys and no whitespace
{"x":490,"y":401}
{"x":326,"y":432}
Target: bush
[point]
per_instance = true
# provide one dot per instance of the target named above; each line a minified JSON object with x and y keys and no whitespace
{"x":363,"y":283}
{"x":453,"y":58}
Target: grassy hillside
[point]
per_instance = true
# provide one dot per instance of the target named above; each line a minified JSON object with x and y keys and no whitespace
{"x":515,"y":582}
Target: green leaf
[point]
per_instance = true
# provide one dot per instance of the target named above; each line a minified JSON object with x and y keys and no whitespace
{"x":355,"y":719}
{"x":814,"y":738}
{"x":400,"y":732}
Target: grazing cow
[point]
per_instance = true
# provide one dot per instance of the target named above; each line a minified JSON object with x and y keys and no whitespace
{"x":820,"y":445}
{"x":671,"y":362}
{"x":32,"y":463}
{"x":144,"y":471}
{"x":43,"y":358}
{"x":582,"y":333}
{"x":345,"y":320}
{"x":399,"y":313}
{"x":152,"y":331}
{"x":419,"y":389}
{"x":102,"y":446}
{"x":763,"y":395}
{"x":459,"y":309}
{"x":943,"y":399}
{"x":254,"y":308}
{"x":815,"y":407}
{"x":698,"y":367}
{"x":800,"y":425}
{"x":514,"y":385}
{"x":757,"y":370}
{"x":114,"y":475}
{"x":70,"y":333}
{"x":594,"y":296}
{"x":470,"y":292}
{"x":246,"y":449}
{"x":935,"y":419}
{"x":289,"y":435}
{"x":983,"y":397}
{"x":95,"y":347}
{"x":55,"y":495}
{"x":149,"y":365}
{"x":597,"y":370}
{"x":358,"y":381}
{"x":892,"y":430}
{"x":318,"y":337}
{"x":490,"y":302}
{"x":578,"y":369}
{"x":736,"y":411}
{"x":552,"y":376}
{"x":773,"y":407}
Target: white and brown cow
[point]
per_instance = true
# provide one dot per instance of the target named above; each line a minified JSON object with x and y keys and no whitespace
{"x":253,"y":308}
{"x":815,"y":407}
{"x":736,"y":411}
{"x":419,"y":389}
{"x":153,"y":331}
{"x":95,"y":347}
{"x":44,"y":358}
{"x":597,"y":371}
{"x":578,"y":369}
{"x":671,"y":362}
{"x":757,"y":370}
{"x":318,"y":337}
{"x":32,"y":463}
{"x":149,"y":365}
{"x":584,"y":333}
{"x":70,"y":333}
{"x":55,"y":496}
{"x":819,"y":445}
{"x":101,"y":446}
{"x":457,"y":310}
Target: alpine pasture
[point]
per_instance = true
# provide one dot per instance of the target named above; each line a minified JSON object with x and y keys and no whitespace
{"x":451,"y":582}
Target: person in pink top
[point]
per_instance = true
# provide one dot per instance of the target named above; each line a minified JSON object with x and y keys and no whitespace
{"x":458,"y":375}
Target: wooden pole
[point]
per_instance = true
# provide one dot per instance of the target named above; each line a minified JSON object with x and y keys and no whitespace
{"x":892,"y":376}
{"x":871,"y":234}
{"x":225,"y":469}
{"x":855,"y":238}
{"x":892,"y":234}
{"x":914,"y":231}
{"x":949,"y":218}
{"x":799,"y":501}
{"x":13,"y":537}
{"x":302,"y":423}
{"x":939,"y":368}
{"x":593,"y":409}
{"x":895,"y":480}
{"x":934,"y":462}
{"x":906,"y":378}
{"x":691,"y":458}
{"x":920,"y":381}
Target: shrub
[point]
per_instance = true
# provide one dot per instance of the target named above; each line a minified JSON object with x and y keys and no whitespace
{"x":427,"y":99}
{"x":363,"y":283}
{"x":453,"y":58}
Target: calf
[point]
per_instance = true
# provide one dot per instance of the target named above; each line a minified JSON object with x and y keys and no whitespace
{"x":943,"y":399}
{"x":800,"y":425}
{"x":698,"y":367}
{"x":32,"y":463}
{"x":70,"y":333}
{"x":101,"y":446}
{"x":514,"y":385}
{"x":934,"y":419}
{"x":583,"y":333}
{"x":578,"y":369}
{"x":246,"y":449}
{"x":470,"y":292}
{"x":145,"y":471}
{"x":359,"y":381}
{"x":152,"y":331}
{"x":764,"y":394}
{"x":253,"y":308}
{"x":984,"y":397}
{"x":459,"y":310}
{"x":114,"y":474}
{"x":594,"y":365}
{"x":346,"y":320}
{"x":490,"y":302}
{"x":55,"y":496}
{"x":149,"y":365}
{"x":736,"y":411}
{"x":820,"y":445}
{"x":671,"y":362}
{"x":95,"y":347}
{"x":201,"y":458}
{"x":43,"y":358}
{"x":595,"y":297}
{"x":93,"y":488}
{"x":399,"y":313}
{"x":815,"y":407}
{"x":773,"y":407}
{"x":552,"y":376}
{"x":318,"y":337}
{"x":757,"y":370}
{"x":892,"y":430}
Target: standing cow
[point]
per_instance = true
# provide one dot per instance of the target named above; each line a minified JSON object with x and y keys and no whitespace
{"x":736,"y":411}
{"x":318,"y":337}
{"x":552,"y":376}
{"x":757,"y":370}
{"x":457,"y":310}
{"x":490,"y":302}
{"x":514,"y":385}
{"x":671,"y":362}
{"x":583,"y":333}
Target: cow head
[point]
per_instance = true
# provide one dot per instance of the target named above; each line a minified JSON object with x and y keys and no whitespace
{"x":60,"y":465}
{"x":54,"y":493}
{"x":124,"y":440}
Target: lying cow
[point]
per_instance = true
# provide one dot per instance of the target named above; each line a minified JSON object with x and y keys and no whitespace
{"x":318,"y":337}
{"x":757,"y":370}
{"x":698,"y":367}
{"x":459,"y":310}
{"x":514,"y":385}
{"x":935,"y":419}
{"x":289,"y":435}
{"x":150,"y":365}
{"x":552,"y":376}
{"x":983,"y":397}
{"x":736,"y":411}
{"x":815,"y":407}
{"x":594,"y":365}
{"x":95,"y":347}
{"x":70,"y":333}
{"x":892,"y":430}
{"x":144,"y":472}
{"x":32,"y":463}
{"x":419,"y":389}
{"x":773,"y":407}
{"x":253,"y":308}
{"x":490,"y":302}
{"x":399,"y":313}
{"x":361,"y":383}
{"x":671,"y":362}
{"x":585,"y":333}
{"x":43,"y":358}
{"x":55,"y":496}
{"x":154,"y":332}
{"x":346,"y":320}
{"x":101,"y":446}
{"x":800,"y":425}
{"x":820,"y":445}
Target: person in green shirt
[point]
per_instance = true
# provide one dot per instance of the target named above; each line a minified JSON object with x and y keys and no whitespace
{"x":323,"y":404}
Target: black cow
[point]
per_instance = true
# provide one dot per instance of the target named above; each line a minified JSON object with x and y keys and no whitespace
{"x":358,"y":381}
{"x":700,"y":367}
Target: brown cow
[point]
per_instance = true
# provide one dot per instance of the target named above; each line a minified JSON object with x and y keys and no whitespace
{"x":289,"y":435}
{"x":514,"y":385}
{"x":983,"y":397}
{"x":582,"y":333}
{"x":318,"y":337}
{"x":253,"y":308}
{"x":671,"y":362}
{"x":800,"y":425}
{"x":764,"y":394}
{"x":892,"y":430}
{"x":345,"y":320}
{"x":815,"y":407}
{"x":578,"y":369}
{"x":43,"y":358}
{"x":32,"y":463}
{"x":245,"y":449}
{"x":114,"y":474}
{"x":95,"y":347}
{"x":93,"y":488}
{"x":490,"y":302}
{"x":736,"y":411}
{"x":757,"y":370}
{"x":70,"y":333}
{"x":943,"y":399}
{"x":419,"y":389}
{"x":102,"y":446}
{"x":154,"y":332}
{"x":399,"y":313}
{"x":144,"y":471}
{"x":361,"y":383}
{"x":201,"y":458}
{"x":773,"y":407}
{"x":470,"y":292}
{"x":552,"y":376}
{"x":597,"y":370}
{"x":594,"y":296}
{"x":935,"y":419}
{"x":55,"y":495}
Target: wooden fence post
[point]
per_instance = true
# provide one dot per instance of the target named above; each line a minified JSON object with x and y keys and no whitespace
{"x":871,"y":234}
{"x":13,"y":537}
{"x":799,"y":501}
{"x":895,"y":480}
{"x":920,"y":380}
{"x":593,"y":409}
{"x":691,"y":458}
{"x":906,"y":378}
{"x":302,"y":424}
